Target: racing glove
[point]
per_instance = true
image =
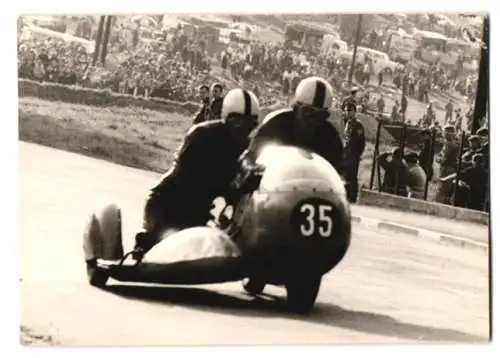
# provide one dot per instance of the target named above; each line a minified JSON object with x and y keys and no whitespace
{"x":245,"y":182}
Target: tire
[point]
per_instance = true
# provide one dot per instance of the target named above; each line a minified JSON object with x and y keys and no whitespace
{"x":97,"y":277}
{"x":253,"y":286}
{"x":302,"y":293}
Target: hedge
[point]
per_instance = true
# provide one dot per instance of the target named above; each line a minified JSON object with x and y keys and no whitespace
{"x":98,"y":97}
{"x":105,"y":98}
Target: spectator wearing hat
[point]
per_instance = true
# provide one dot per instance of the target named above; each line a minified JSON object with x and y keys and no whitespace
{"x":392,"y":163}
{"x":448,"y":161}
{"x":350,"y":100}
{"x":354,"y":148}
{"x":416,"y":176}
{"x":474,"y":148}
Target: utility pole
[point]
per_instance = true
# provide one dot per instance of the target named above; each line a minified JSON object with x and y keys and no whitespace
{"x":105,"y":40}
{"x":98,"y":39}
{"x":355,"y":50}
{"x":483,"y":83}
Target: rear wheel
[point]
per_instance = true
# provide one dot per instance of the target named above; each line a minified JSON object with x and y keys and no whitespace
{"x":97,"y":276}
{"x":302,"y":293}
{"x":253,"y":286}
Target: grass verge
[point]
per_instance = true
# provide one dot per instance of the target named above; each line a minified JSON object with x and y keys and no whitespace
{"x":130,"y":136}
{"x":134,"y":137}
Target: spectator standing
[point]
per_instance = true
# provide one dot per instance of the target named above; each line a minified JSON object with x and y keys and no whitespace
{"x":381,"y":104}
{"x":426,"y":153}
{"x":354,"y":148}
{"x":404,"y":106}
{"x":449,"y":112}
{"x":448,"y":161}
{"x":395,"y":114}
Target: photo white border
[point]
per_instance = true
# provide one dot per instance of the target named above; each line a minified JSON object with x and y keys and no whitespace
{"x":10,"y":317}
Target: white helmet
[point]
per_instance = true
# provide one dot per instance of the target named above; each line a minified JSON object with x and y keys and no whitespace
{"x":314,"y":92}
{"x":240,"y":101}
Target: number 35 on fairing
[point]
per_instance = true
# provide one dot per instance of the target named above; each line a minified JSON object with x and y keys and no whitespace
{"x":313,"y":218}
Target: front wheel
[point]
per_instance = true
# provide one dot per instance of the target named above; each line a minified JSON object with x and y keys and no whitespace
{"x":302,"y":293}
{"x":253,"y":286}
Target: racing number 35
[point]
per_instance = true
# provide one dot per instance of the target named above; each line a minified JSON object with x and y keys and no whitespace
{"x":316,"y":219}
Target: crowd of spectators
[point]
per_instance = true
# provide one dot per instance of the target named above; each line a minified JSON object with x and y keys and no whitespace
{"x":462,"y":181}
{"x":53,"y":60}
{"x":169,"y":69}
{"x":419,"y":83}
{"x":268,"y":61}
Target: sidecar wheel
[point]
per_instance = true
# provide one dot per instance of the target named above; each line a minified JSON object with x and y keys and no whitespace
{"x":253,"y":286}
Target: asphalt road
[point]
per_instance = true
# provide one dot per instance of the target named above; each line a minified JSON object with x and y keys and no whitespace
{"x":389,"y":287}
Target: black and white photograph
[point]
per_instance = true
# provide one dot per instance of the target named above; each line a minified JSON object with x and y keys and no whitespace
{"x":266,"y":178}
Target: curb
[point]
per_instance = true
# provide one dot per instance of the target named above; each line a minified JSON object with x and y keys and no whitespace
{"x":390,"y":201}
{"x":413,"y":231}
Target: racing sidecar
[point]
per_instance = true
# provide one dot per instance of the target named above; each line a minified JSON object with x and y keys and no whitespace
{"x":290,"y":231}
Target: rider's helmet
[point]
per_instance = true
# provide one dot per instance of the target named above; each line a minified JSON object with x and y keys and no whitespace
{"x":240,"y":111}
{"x":312,"y":101}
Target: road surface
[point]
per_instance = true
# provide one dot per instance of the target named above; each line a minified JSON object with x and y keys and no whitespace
{"x":389,"y":287}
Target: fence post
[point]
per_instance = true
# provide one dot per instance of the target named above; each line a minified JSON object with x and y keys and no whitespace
{"x":375,"y":153}
{"x":459,"y":168}
{"x":430,"y":162}
{"x":402,"y":149}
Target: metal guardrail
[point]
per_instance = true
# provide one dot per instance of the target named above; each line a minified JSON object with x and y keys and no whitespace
{"x":375,"y":169}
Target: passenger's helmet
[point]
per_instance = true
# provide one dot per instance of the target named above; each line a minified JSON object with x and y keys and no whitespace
{"x":314,"y":92}
{"x":240,"y":102}
{"x":312,"y":101}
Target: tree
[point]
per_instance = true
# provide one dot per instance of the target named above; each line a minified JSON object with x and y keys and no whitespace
{"x":348,"y":24}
